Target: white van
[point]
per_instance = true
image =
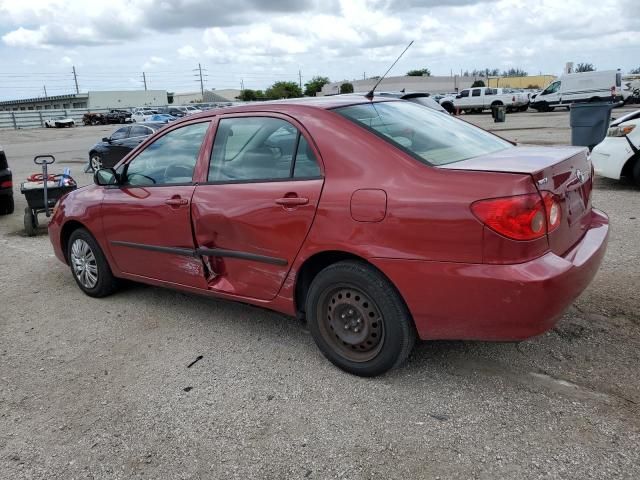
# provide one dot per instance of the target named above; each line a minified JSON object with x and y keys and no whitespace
{"x":580,"y":87}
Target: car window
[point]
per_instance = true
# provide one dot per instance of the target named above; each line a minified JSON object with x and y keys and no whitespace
{"x":120,"y":133}
{"x":306,"y":164}
{"x":169,"y":160}
{"x":475,"y":92}
{"x":258,"y":148}
{"x":553,"y":88}
{"x":140,"y":131}
{"x":423,"y":133}
{"x":464,"y":93}
{"x":490,"y":91}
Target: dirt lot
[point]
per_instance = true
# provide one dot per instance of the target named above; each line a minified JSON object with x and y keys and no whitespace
{"x":101,"y":389}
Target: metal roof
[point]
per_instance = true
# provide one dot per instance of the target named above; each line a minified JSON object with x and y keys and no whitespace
{"x":71,"y":96}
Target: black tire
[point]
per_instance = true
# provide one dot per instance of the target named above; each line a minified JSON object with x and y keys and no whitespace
{"x":95,"y":161}
{"x":448,"y":106}
{"x":636,"y":172}
{"x":7,"y":206}
{"x":387,"y":333}
{"x":30,"y":222}
{"x":106,"y":283}
{"x":595,"y":99}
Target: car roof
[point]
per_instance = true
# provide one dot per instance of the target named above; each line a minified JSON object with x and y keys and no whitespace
{"x":293,"y":104}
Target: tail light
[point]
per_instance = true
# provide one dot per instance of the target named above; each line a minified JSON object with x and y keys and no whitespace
{"x":520,"y":217}
{"x":6,"y":184}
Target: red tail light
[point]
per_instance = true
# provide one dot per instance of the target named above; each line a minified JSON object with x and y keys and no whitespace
{"x":6,"y":184}
{"x":521,"y":217}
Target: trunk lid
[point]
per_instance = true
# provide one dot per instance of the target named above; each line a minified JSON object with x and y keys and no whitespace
{"x":564,"y":171}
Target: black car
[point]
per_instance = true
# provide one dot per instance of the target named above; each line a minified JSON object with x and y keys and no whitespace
{"x":118,"y":116}
{"x":113,"y":149}
{"x":6,"y":186}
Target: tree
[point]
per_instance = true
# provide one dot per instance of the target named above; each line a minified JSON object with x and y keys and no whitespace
{"x":248,"y":95}
{"x":514,"y":72}
{"x":283,"y":90}
{"x":314,"y":85}
{"x":585,"y":67}
{"x":635,"y":71}
{"x":346,"y":88}
{"x":478,"y":83}
{"x":423,"y":72}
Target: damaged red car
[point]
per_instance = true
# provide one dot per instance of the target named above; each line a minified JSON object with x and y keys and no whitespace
{"x":378,"y":221}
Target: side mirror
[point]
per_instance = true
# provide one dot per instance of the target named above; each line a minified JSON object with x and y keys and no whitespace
{"x":458,"y":96}
{"x":106,"y":139}
{"x":105,"y":177}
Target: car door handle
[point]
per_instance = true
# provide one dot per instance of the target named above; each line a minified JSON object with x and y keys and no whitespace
{"x":176,"y":202}
{"x":292,"y":201}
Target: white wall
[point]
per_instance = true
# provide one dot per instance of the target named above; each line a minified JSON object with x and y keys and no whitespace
{"x":127,"y":98}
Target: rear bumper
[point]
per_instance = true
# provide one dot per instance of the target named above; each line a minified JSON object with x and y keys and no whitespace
{"x":497,"y":302}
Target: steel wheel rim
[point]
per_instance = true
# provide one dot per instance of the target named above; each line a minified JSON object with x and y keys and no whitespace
{"x":351,"y":323}
{"x":84,"y":264}
{"x":96,"y":162}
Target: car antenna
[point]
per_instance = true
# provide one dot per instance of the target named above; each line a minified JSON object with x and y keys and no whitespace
{"x":370,"y":94}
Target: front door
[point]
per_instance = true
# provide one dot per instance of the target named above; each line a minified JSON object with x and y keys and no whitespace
{"x":117,"y":148}
{"x":147,"y":218}
{"x":253,"y":214}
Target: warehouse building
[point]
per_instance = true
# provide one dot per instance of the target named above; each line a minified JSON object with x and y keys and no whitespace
{"x":91,"y":100}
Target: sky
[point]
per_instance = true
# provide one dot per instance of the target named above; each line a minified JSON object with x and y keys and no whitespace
{"x":255,"y":43}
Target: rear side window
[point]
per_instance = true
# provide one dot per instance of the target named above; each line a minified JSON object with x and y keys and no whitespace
{"x":140,"y":131}
{"x":425,"y":134}
{"x":260,"y":149}
{"x":475,"y":92}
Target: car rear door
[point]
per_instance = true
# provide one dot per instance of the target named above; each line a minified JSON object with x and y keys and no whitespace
{"x":257,"y":206}
{"x":147,"y":218}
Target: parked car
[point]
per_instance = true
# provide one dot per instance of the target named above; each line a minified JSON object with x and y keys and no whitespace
{"x":618,"y":155}
{"x":371,"y":219}
{"x":483,"y":98}
{"x":118,"y":116}
{"x":579,"y":88}
{"x":161,"y":118}
{"x":421,"y":98}
{"x":94,"y":119}
{"x":142,"y":114}
{"x":6,"y":185}
{"x":173,"y":111}
{"x":59,"y":122}
{"x":112,"y":149}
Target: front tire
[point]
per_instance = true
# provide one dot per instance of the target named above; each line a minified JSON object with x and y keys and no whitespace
{"x":89,"y":266}
{"x":358,"y":319}
{"x":95,"y":161}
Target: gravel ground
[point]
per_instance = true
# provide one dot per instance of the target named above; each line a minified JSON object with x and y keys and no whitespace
{"x":102,"y":389}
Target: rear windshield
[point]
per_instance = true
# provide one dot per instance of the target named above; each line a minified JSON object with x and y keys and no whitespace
{"x":428,"y":135}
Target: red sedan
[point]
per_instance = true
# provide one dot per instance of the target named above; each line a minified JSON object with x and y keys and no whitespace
{"x":379,"y":221}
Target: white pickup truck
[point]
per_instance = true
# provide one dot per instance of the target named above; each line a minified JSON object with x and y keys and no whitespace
{"x":483,"y":98}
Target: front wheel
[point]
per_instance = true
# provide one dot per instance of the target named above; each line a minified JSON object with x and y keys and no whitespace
{"x":89,"y":265}
{"x":95,"y":161}
{"x":358,"y":319}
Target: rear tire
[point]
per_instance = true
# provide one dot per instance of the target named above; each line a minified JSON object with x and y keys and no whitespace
{"x":7,"y":205}
{"x":30,"y":222}
{"x":358,"y":319}
{"x":89,"y":266}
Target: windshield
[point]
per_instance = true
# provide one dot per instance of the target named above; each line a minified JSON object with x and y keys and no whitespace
{"x":426,"y":134}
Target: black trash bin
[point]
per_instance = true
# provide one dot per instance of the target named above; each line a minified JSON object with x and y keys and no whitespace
{"x":589,"y":123}
{"x":499,"y":113}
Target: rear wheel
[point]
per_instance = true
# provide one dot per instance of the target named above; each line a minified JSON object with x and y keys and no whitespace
{"x":358,"y":319}
{"x":7,"y":205}
{"x":89,"y":265}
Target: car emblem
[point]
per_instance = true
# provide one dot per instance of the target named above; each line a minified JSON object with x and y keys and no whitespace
{"x":580,"y":175}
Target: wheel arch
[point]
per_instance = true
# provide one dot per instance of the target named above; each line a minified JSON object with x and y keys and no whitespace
{"x":627,"y":169}
{"x":65,"y":234}
{"x":497,"y":103}
{"x":318,"y":262}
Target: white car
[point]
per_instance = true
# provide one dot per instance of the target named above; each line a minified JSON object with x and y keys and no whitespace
{"x":59,"y":122}
{"x":478,"y":99}
{"x":618,"y":155}
{"x":140,"y":115}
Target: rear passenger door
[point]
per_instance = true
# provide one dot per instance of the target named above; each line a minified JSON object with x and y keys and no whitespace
{"x":253,"y":214}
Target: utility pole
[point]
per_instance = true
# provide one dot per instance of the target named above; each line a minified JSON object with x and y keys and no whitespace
{"x":144,"y":80}
{"x":300,"y":78}
{"x":364,"y":75}
{"x":241,"y":85}
{"x":45,"y":91}
{"x":75,"y":79}
{"x":201,"y":80}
